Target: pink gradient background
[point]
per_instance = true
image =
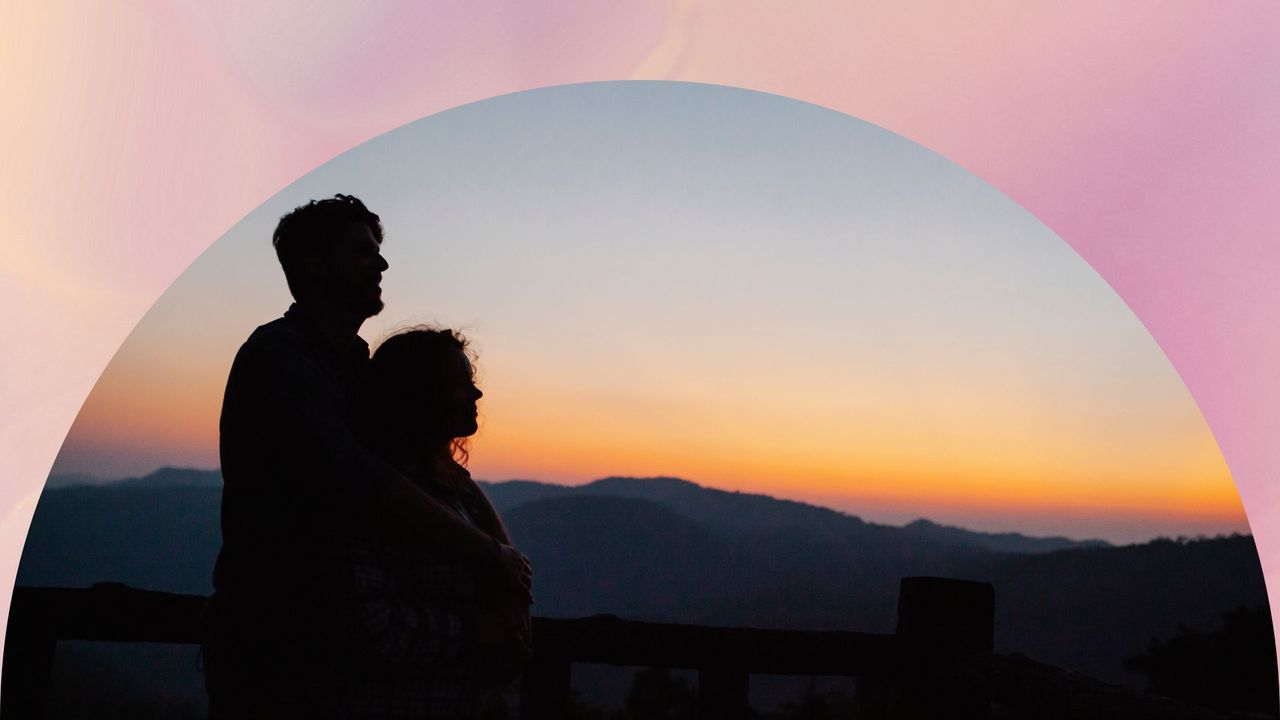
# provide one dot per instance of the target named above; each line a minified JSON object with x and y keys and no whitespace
{"x":1143,"y":133}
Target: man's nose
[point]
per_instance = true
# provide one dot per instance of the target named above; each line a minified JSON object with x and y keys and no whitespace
{"x":382,"y":263}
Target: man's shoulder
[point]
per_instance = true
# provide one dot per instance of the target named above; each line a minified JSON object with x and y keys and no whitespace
{"x":280,"y":329}
{"x":281,"y":338}
{"x":288,"y":342}
{"x":281,"y":332}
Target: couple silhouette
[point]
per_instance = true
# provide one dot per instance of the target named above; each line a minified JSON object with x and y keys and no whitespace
{"x":363,"y":573}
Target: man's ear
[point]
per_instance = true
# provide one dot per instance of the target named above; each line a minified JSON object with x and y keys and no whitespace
{"x":313,"y":266}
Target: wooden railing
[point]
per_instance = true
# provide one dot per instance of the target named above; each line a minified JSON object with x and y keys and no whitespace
{"x":937,"y":662}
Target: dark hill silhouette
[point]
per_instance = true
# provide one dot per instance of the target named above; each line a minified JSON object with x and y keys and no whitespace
{"x":67,"y":480}
{"x":180,"y":477}
{"x":725,"y":509}
{"x":740,"y":512}
{"x":149,"y":536}
{"x":624,"y":556}
{"x":721,"y":509}
{"x":506,"y":496}
{"x":671,"y":550}
{"x":165,"y":476}
{"x":1001,"y":542}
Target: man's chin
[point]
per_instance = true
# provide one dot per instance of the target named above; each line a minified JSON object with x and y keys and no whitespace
{"x":369,"y":308}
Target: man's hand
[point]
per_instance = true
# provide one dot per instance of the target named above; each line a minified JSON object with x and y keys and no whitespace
{"x":514,"y":573}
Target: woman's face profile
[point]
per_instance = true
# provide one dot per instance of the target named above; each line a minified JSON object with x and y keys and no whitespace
{"x":458,"y":395}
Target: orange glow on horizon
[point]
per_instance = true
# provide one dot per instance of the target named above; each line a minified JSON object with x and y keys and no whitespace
{"x":817,"y":448}
{"x":766,"y":447}
{"x":846,"y":437}
{"x":153,"y":402}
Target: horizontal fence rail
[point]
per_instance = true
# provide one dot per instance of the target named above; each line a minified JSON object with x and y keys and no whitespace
{"x":937,"y":662}
{"x":605,"y":639}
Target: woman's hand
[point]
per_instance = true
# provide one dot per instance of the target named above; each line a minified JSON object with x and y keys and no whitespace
{"x":515,"y":573}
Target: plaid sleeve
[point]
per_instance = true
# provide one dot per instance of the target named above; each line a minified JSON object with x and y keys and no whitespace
{"x":391,"y":623}
{"x":283,"y":403}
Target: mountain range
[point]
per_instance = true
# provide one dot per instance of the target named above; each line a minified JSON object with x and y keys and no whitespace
{"x":667,"y":549}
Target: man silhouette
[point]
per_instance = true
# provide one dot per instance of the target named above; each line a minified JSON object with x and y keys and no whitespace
{"x":295,"y":476}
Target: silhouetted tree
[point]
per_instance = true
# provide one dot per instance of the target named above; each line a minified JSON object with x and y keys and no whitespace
{"x":1232,"y":668}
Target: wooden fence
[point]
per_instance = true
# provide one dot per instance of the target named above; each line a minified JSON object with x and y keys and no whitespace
{"x":937,"y":662}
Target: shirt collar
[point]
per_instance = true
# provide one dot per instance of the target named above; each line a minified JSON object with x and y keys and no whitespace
{"x":306,"y":321}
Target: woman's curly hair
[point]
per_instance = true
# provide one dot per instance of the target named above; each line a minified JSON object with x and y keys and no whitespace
{"x":405,"y":385}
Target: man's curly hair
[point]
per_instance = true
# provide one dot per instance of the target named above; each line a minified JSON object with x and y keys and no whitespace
{"x":312,"y":227}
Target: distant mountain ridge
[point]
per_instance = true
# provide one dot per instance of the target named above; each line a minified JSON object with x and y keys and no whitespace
{"x":165,"y":476}
{"x":64,"y":480}
{"x":719,"y":508}
{"x":669,"y":550}
{"x":175,"y":477}
{"x":1002,"y":542}
{"x":747,"y":511}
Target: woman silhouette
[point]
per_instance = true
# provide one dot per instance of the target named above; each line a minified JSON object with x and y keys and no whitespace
{"x":425,"y":637}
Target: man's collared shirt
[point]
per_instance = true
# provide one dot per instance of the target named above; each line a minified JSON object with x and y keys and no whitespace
{"x":293,"y":470}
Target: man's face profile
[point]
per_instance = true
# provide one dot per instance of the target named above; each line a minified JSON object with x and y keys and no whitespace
{"x":351,"y":270}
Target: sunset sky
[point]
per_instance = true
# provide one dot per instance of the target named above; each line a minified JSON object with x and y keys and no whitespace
{"x":734,"y":288}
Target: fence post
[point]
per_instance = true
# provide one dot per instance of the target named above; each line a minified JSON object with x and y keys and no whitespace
{"x":945,"y":628}
{"x":722,"y":693}
{"x":29,"y":648}
{"x":544,"y":686}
